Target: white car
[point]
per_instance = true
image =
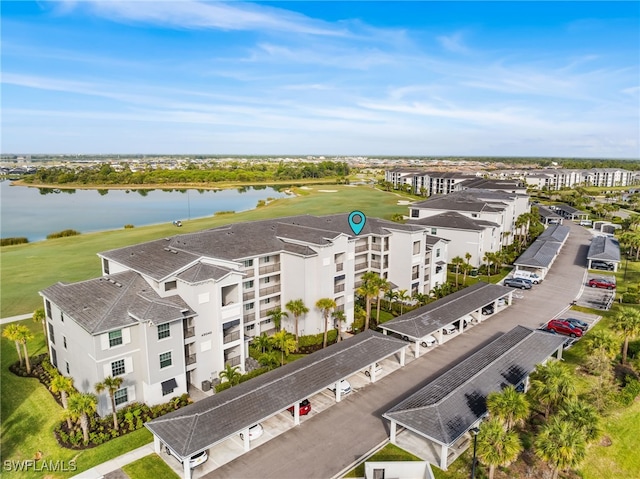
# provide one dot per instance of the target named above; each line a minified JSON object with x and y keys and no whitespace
{"x":428,"y":341}
{"x":255,"y":432}
{"x":378,"y":369}
{"x":195,"y":460}
{"x":449,"y":329}
{"x":345,"y":387}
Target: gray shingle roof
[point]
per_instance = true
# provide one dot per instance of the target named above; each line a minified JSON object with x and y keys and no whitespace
{"x":209,"y":421}
{"x":454,"y":220}
{"x":115,"y":301}
{"x":433,"y":316}
{"x":605,"y":248}
{"x":558,"y":233}
{"x":539,"y":255}
{"x":445,"y":408}
{"x":203,"y":272}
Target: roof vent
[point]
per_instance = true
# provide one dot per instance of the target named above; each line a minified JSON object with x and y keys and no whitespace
{"x":174,"y":251}
{"x":166,"y":248}
{"x":118,"y":284}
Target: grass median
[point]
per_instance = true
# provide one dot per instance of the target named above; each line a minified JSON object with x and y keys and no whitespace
{"x":27,"y":269}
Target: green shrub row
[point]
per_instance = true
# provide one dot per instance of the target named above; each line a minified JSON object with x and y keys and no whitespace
{"x":245,"y":377}
{"x":630,"y":391}
{"x":316,"y":339}
{"x":128,"y":227}
{"x":63,"y":233}
{"x":12,"y":241}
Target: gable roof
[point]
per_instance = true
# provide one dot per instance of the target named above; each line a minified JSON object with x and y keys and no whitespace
{"x":433,"y":316}
{"x":454,"y":220}
{"x":115,"y":301}
{"x":539,"y":255}
{"x":448,"y":406}
{"x":605,"y":248}
{"x":213,"y":419}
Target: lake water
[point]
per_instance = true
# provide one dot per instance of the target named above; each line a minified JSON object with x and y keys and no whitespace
{"x":34,"y":213}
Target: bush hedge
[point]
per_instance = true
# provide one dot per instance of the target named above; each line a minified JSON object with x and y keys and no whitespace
{"x":63,"y":233}
{"x":12,"y":241}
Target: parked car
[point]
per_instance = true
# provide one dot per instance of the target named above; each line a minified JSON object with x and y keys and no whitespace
{"x":255,"y":432}
{"x":599,"y":264}
{"x":449,"y":329}
{"x":195,"y":460}
{"x":517,"y":283}
{"x":488,"y":309}
{"x":427,"y":341}
{"x":578,"y":323}
{"x":345,"y":387}
{"x":465,"y":321}
{"x":563,"y":327}
{"x":602,"y":283}
{"x":378,"y":369}
{"x":305,"y":408}
{"x":533,"y":277}
{"x":569,"y":343}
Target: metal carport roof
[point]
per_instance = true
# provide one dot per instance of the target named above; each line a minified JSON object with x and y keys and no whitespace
{"x":433,"y":316}
{"x":203,"y":424}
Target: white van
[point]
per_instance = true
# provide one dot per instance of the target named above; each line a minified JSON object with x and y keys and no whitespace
{"x":533,"y":277}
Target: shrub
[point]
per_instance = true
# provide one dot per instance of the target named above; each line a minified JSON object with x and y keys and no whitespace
{"x":630,"y":391}
{"x":261,"y":203}
{"x":127,"y":227}
{"x":220,"y":213}
{"x":62,"y":234}
{"x":630,"y":298}
{"x":12,"y":241}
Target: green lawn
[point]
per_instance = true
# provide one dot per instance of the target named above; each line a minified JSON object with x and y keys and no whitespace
{"x":27,"y":269}
{"x":150,"y":467}
{"x":29,"y":415}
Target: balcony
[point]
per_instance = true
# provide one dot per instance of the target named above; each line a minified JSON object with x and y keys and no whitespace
{"x":249,"y":273}
{"x":270,"y":290}
{"x":360,"y":249}
{"x":375,"y":264}
{"x":248,"y":296}
{"x":190,"y":359}
{"x":357,"y":284}
{"x":270,"y":269}
{"x":234,"y":361}
{"x":339,"y":267}
{"x":228,"y":338}
{"x":376,"y":247}
{"x":338,"y":288}
{"x":415,"y":276}
{"x":264,"y":312}
{"x":361,"y":266}
{"x":249,"y":317}
{"x":189,"y":332}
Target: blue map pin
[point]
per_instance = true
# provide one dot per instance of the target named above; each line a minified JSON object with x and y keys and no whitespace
{"x":357,"y":221}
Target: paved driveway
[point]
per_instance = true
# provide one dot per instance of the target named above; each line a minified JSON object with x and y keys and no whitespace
{"x":327,"y":443}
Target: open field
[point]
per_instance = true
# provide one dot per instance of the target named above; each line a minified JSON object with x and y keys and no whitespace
{"x":27,"y":269}
{"x":29,"y":415}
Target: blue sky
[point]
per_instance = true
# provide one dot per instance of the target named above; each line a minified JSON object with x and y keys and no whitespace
{"x":333,"y":78}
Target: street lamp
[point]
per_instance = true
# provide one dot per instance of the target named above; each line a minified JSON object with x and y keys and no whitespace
{"x":475,"y":432}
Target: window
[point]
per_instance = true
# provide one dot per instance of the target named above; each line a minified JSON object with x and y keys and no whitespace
{"x":416,"y":247}
{"x":434,"y":231}
{"x":474,"y":215}
{"x":48,"y":305}
{"x":267,"y":301}
{"x":249,"y":328}
{"x":54,"y":357}
{"x":52,"y":337}
{"x":105,"y":265}
{"x":120,"y":396}
{"x":64,"y":341}
{"x":118,"y":368}
{"x":248,"y":306}
{"x":248,"y":263}
{"x":267,"y":280}
{"x":115,"y":338}
{"x":164,"y":331}
{"x":248,"y":284}
{"x":68,"y":372}
{"x":438,"y":253}
{"x":266,"y":259}
{"x":61,"y":316}
{"x":170,"y":285}
{"x":165,"y":360}
{"x":415,"y":213}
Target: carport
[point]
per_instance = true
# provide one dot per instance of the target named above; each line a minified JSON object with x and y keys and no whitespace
{"x":604,"y":248}
{"x":437,"y":419}
{"x":433,"y":317}
{"x":543,"y":251}
{"x":204,"y":424}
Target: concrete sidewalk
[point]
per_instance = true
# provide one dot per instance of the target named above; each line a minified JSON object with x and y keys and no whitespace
{"x":13,"y":319}
{"x":101,"y":470}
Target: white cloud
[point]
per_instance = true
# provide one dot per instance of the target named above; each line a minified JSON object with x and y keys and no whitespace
{"x":453,"y":43}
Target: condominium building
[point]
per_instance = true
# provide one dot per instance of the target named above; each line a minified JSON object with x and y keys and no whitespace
{"x":555,"y":179}
{"x":427,"y":183}
{"x":168,"y":315}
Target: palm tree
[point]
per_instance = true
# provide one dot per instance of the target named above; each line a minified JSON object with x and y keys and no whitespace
{"x":602,"y":340}
{"x":297,"y":308}
{"x":627,"y":322}
{"x":403,"y":296}
{"x":11,"y":332}
{"x":62,"y":385}
{"x":561,"y":445}
{"x":457,"y":262}
{"x":263,"y":342}
{"x":269,"y":359}
{"x":231,"y":374}
{"x":276,"y":316}
{"x":111,"y":385}
{"x":508,"y":406}
{"x":420,"y":298}
{"x":367,"y":290}
{"x":23,"y":334}
{"x":325,"y":305}
{"x":582,"y":415}
{"x":497,"y":446}
{"x":39,"y":317}
{"x":285,"y":344}
{"x":552,"y":385}
{"x":487,"y":259}
{"x":338,"y":317}
{"x":390,"y":296}
{"x":382,"y":286}
{"x":80,"y":406}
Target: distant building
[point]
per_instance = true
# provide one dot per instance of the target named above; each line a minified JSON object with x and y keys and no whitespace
{"x":555,"y":179}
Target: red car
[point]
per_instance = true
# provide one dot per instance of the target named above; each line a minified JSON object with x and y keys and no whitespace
{"x":564,"y":327}
{"x":305,"y":408}
{"x":602,"y":283}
